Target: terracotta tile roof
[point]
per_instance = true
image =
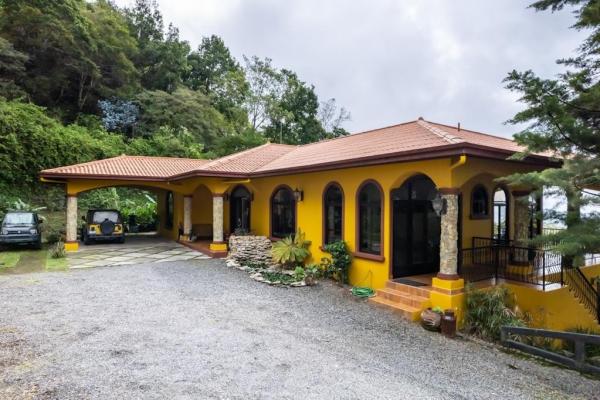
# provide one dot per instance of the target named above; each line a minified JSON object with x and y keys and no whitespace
{"x":418,"y":139}
{"x":129,"y":167}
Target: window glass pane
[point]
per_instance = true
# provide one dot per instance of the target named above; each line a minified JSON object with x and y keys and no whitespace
{"x":479,"y":202}
{"x":283,"y":218}
{"x":333,"y":214}
{"x":101,"y":216}
{"x":370,"y":219}
{"x":18,"y":218}
{"x":500,"y":219}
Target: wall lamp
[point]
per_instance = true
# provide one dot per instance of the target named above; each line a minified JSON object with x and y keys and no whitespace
{"x":439,"y":205}
{"x":298,"y":194}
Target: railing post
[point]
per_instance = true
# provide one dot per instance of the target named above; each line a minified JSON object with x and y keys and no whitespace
{"x":544,"y":270}
{"x":496,"y":260}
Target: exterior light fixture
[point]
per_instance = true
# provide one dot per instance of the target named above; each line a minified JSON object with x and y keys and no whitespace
{"x":298,"y":194}
{"x":439,"y":205}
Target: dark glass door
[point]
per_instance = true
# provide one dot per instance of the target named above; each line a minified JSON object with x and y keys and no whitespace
{"x":416,"y":228}
{"x":239,"y":213}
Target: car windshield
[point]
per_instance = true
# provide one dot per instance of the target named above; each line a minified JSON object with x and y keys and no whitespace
{"x":101,"y":216}
{"x":18,"y":218}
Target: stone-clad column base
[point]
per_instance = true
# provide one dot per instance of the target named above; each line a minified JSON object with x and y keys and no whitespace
{"x":71,"y":243}
{"x":521,"y":236}
{"x":218,"y":244}
{"x":187,"y":218}
{"x":449,"y":294}
{"x":449,"y":235}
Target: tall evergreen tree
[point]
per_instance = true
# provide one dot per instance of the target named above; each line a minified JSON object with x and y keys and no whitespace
{"x":564,"y":119}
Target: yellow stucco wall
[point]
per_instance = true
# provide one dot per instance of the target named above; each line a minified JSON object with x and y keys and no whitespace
{"x":444,"y":172}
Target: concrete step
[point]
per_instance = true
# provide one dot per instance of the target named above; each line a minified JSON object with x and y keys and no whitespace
{"x":409,"y":312}
{"x":412,"y":300}
{"x":413,"y":290}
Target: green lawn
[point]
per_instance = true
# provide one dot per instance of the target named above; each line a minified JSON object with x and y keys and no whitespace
{"x":27,"y":260}
{"x":8,"y":259}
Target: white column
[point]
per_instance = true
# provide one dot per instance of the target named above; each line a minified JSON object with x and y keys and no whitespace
{"x":187,"y":217}
{"x":71,"y":228}
{"x":217,"y":218}
{"x":449,"y":235}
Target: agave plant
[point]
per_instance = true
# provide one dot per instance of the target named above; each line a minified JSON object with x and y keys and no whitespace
{"x":291,"y":251}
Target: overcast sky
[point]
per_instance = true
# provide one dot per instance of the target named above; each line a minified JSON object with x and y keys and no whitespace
{"x":390,"y":61}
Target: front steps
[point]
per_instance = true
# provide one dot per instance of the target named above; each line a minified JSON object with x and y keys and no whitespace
{"x":408,"y":301}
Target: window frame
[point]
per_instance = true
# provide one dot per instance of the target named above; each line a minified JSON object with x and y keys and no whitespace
{"x":250,"y":199}
{"x":294,"y":206}
{"x":325,"y":209}
{"x":507,"y":211}
{"x":474,"y":215}
{"x":357,"y":251}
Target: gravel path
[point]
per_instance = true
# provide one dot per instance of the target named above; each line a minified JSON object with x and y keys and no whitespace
{"x":197,"y":329}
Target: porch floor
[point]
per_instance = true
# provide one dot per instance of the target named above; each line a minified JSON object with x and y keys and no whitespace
{"x":203,"y":246}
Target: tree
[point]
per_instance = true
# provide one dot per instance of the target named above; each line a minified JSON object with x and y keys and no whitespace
{"x":213,"y":70}
{"x":332,"y":118}
{"x":265,"y":90}
{"x":12,"y":70}
{"x":184,"y":108}
{"x":564,"y":119}
{"x":119,"y":116}
{"x":76,"y":51}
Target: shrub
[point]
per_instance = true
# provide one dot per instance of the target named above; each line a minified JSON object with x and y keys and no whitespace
{"x":58,"y":250}
{"x":591,"y":350}
{"x":339,"y":264}
{"x":53,"y":236}
{"x":299,"y":273}
{"x":487,"y":311}
{"x":291,"y":251}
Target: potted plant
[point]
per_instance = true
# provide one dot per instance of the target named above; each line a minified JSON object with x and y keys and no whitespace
{"x":431,"y":318}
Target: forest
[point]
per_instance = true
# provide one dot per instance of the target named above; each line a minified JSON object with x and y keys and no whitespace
{"x":86,"y":80}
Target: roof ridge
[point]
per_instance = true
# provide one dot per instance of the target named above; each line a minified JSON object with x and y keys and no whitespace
{"x":476,"y":132}
{"x":357,"y":133}
{"x":234,"y":156}
{"x":450,"y":138}
{"x":161,"y":157}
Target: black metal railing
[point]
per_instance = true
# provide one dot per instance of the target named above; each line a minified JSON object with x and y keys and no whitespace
{"x":521,"y":264}
{"x":477,"y":241}
{"x":583,"y":289}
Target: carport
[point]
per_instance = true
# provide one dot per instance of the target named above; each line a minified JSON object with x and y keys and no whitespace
{"x":190,"y":207}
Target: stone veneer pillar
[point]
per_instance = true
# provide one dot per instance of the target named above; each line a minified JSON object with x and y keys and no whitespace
{"x":447,"y":287}
{"x":187,"y":217}
{"x":449,"y":235}
{"x":71,"y":243}
{"x":218,"y":245}
{"x":521,"y":215}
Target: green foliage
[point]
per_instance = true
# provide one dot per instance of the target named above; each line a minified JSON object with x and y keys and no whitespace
{"x":339,"y":264}
{"x":182,"y":109}
{"x":278,"y":277}
{"x":58,"y":250}
{"x":591,"y":350}
{"x":488,"y":310}
{"x":299,"y":273}
{"x":562,"y":118}
{"x":291,"y":251}
{"x":128,"y":201}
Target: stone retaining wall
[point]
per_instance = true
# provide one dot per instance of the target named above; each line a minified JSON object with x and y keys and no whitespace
{"x":250,"y":250}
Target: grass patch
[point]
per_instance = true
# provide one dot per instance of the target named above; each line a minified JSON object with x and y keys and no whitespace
{"x":56,"y":264}
{"x":8,"y":259}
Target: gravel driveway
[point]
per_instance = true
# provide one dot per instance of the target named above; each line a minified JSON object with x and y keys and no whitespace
{"x":197,"y":329}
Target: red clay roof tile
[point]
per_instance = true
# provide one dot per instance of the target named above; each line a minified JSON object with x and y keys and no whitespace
{"x":418,"y":138}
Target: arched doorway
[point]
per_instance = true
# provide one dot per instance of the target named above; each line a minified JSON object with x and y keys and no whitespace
{"x":415,"y":228}
{"x":239,"y":212}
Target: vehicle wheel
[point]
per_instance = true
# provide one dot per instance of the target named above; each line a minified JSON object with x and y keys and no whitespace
{"x":121,"y":240}
{"x":38,"y":245}
{"x":86,"y":239}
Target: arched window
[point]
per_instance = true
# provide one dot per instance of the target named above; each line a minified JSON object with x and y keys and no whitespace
{"x":370,"y":212}
{"x":500,"y":224}
{"x":239,"y":210}
{"x":479,"y":202}
{"x":169,"y":206}
{"x":283,"y":212}
{"x":535,"y":216}
{"x":333,"y":213}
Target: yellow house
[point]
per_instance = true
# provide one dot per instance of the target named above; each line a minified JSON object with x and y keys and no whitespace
{"x":417,"y":204}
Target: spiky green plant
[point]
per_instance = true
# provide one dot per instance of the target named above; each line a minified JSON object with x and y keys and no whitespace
{"x":291,"y":251}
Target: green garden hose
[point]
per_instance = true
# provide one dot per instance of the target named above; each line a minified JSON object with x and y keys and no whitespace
{"x":363,"y":291}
